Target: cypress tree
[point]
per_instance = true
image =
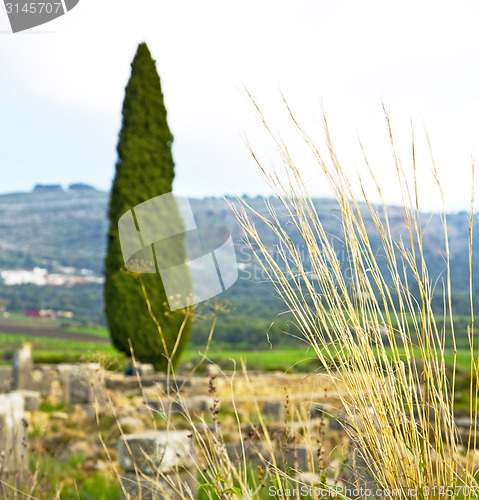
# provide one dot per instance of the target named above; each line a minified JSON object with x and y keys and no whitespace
{"x":144,"y":169}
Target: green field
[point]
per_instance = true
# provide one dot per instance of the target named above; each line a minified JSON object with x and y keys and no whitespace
{"x":282,"y":358}
{"x":292,"y":359}
{"x":54,"y":350}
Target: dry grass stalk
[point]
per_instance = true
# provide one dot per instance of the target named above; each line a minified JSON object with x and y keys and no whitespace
{"x":401,"y":418}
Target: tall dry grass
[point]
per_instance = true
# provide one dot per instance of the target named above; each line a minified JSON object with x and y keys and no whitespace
{"x":379,"y":344}
{"x":391,"y":377}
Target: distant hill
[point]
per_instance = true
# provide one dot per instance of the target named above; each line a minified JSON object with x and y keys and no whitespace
{"x":53,"y":227}
{"x":50,"y":228}
{"x":47,"y":187}
{"x":79,"y":186}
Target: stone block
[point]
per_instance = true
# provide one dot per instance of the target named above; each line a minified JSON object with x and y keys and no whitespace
{"x":464,"y":423}
{"x":173,"y":384}
{"x":122,"y":382}
{"x":253,"y":451}
{"x":213,"y":371}
{"x":131,"y":382}
{"x":86,"y":386}
{"x":41,"y":380}
{"x":357,"y":471}
{"x":194,"y":405}
{"x":154,"y":451}
{"x":13,"y":435}
{"x":22,"y":367}
{"x":147,"y":370}
{"x":320,"y":410}
{"x":159,"y":488}
{"x":64,"y":372}
{"x":81,"y":390}
{"x":6,"y":379}
{"x":31,"y":399}
{"x":90,"y":412}
{"x":273,"y":409}
{"x":131,"y":425}
{"x":198,"y":385}
{"x":139,"y":369}
{"x":157,"y":405}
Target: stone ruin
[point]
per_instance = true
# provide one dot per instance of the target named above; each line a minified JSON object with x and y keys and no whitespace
{"x":167,"y":458}
{"x":13,"y":435}
{"x":155,"y":463}
{"x":24,"y":385}
{"x":22,"y":388}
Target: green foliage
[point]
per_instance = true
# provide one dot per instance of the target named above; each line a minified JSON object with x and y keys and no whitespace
{"x":47,"y":407}
{"x":68,"y":479}
{"x":145,"y":169}
{"x":60,"y":350}
{"x":83,"y":300}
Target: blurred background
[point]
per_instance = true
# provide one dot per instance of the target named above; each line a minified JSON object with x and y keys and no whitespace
{"x":61,"y":91}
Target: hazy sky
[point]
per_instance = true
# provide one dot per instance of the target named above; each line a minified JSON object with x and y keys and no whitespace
{"x":61,"y":88}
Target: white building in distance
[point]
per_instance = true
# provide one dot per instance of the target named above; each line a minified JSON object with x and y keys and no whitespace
{"x":36,"y":276}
